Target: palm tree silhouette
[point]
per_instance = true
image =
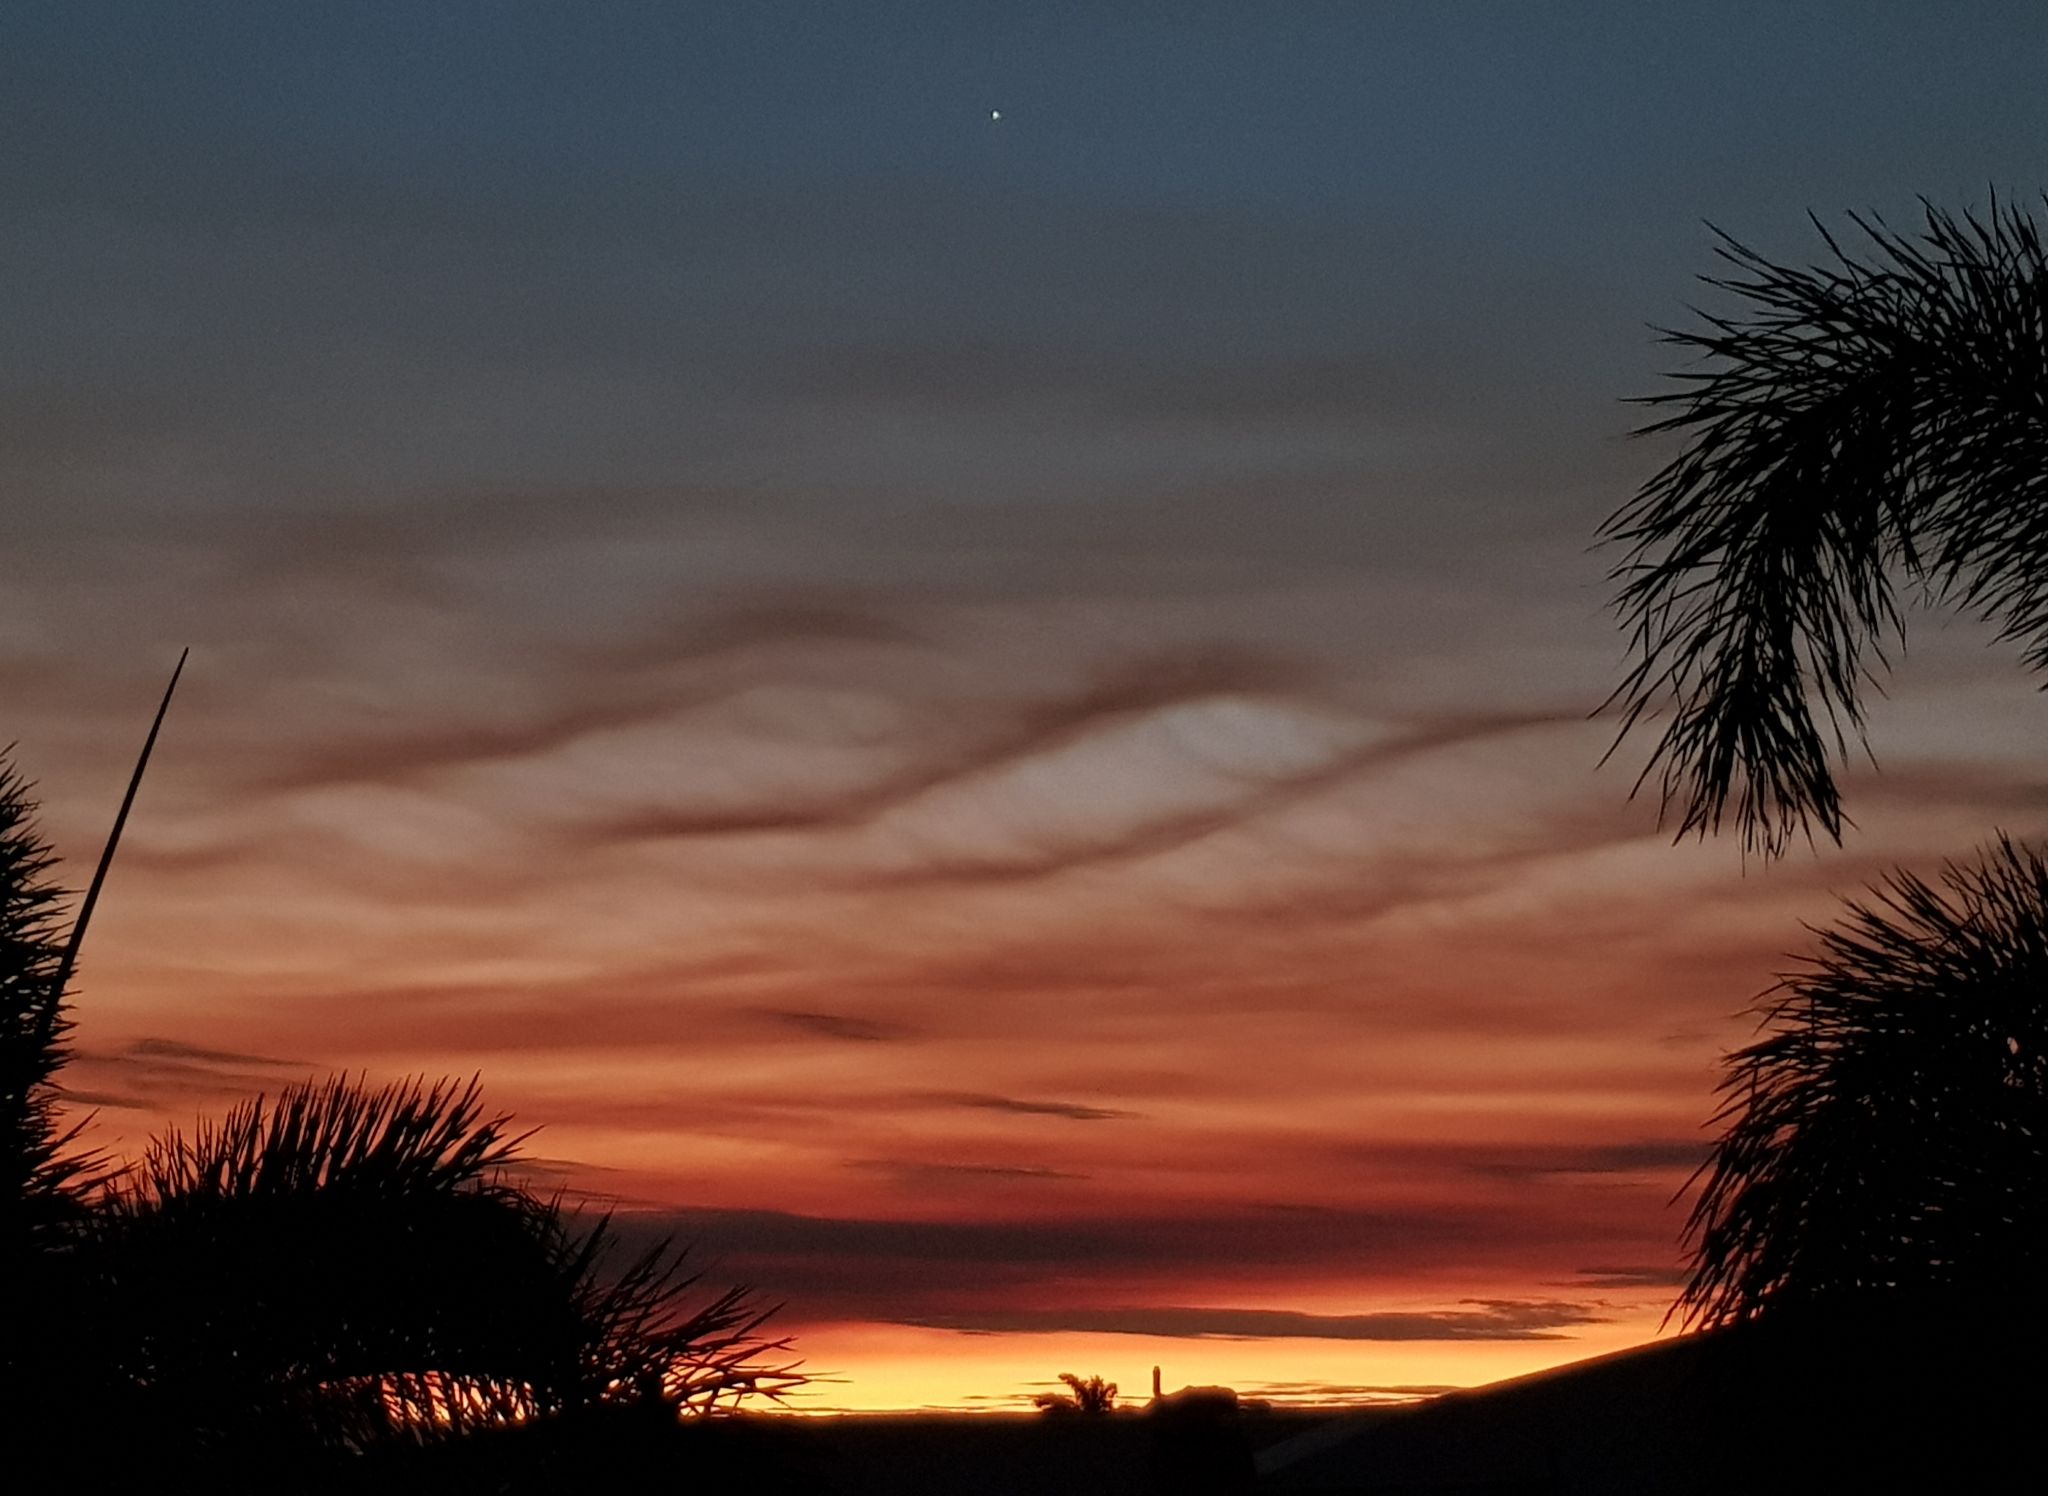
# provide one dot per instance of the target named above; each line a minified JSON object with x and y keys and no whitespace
{"x":1090,"y":1395}
{"x":341,"y":1268}
{"x":349,"y":1265}
{"x":1877,"y":422}
{"x":1878,"y":419}
{"x":42,"y":1177}
{"x":1888,"y":1135}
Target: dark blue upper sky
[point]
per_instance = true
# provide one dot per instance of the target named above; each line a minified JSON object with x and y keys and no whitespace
{"x":719,"y":210}
{"x":1553,"y":116}
{"x":1328,"y":284}
{"x":1309,"y":286}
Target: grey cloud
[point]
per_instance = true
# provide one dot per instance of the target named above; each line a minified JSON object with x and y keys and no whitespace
{"x":540,"y":1165}
{"x":764,"y":622}
{"x":1133,"y":690}
{"x":153,"y":1070}
{"x":1636,"y":1156}
{"x":1172,"y":832}
{"x":849,"y":1268}
{"x":1366,"y":1392}
{"x":172,"y":1049}
{"x":1629,"y":1277}
{"x":911,"y":1171}
{"x":1071,"y":1110}
{"x":840,"y":1026}
{"x":1484,"y":1319}
{"x":433,"y":323}
{"x":113,"y":1100}
{"x":879,"y":1267}
{"x":1260,"y":1238}
{"x":1059,"y":725}
{"x":571,"y":1181}
{"x":663,"y":667}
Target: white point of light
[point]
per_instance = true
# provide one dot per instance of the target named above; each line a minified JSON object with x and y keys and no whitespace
{"x":995,"y":116}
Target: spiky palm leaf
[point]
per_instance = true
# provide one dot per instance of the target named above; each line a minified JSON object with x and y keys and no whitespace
{"x":1879,"y":419}
{"x":263,"y":1270}
{"x":347,"y":1265}
{"x":1887,"y":1139}
{"x":646,"y":1343}
{"x":42,"y":1179}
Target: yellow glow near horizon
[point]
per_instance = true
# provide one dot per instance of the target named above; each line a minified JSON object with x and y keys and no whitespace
{"x":892,"y":1368}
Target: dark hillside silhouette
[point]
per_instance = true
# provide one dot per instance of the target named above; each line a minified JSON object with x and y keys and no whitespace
{"x":1849,"y":1405}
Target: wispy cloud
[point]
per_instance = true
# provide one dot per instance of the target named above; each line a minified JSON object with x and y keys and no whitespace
{"x":1665,"y":1277}
{"x":1073,"y":1111}
{"x":1004,"y":1270}
{"x":841,"y":1026}
{"x":172,"y":1049}
{"x":1473,"y":1319}
{"x":1370,"y":1393}
{"x":1637,"y":1156}
{"x":151,"y":1074}
{"x":918,"y":1172}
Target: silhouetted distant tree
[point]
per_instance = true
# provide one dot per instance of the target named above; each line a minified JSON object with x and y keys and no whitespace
{"x":1887,"y":1139}
{"x":1091,"y":1396}
{"x":1873,"y":423}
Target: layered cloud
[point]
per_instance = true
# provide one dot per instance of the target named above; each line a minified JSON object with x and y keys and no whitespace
{"x":1493,"y":1319}
{"x":1003,"y":760}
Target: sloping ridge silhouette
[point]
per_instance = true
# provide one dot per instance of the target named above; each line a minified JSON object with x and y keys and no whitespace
{"x":1833,"y":1406}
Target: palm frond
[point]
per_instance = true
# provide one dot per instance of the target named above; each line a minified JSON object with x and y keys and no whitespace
{"x":43,"y":1178}
{"x":648,"y":1345}
{"x":401,"y":1140}
{"x":358,"y":1265}
{"x":1888,"y":1135}
{"x":1875,"y":421}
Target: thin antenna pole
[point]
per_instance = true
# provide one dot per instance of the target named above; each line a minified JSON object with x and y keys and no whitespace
{"x":99,"y":874}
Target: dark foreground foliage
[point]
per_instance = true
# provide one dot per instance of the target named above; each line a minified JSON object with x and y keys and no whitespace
{"x":1885,"y":1142}
{"x":42,"y":1175}
{"x":321,"y":1288}
{"x":1868,"y":421}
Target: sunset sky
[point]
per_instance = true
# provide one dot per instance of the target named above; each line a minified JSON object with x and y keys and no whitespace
{"x":987,"y":717}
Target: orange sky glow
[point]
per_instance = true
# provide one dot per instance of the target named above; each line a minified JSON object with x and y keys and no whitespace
{"x":1150,"y":1017}
{"x":993,"y":723}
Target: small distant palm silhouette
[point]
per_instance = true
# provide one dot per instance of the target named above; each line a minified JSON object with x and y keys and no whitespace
{"x":1091,"y":1396}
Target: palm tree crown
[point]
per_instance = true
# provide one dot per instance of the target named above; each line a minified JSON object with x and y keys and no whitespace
{"x":344,"y":1265}
{"x":1879,"y":419}
{"x":1888,"y":1135}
